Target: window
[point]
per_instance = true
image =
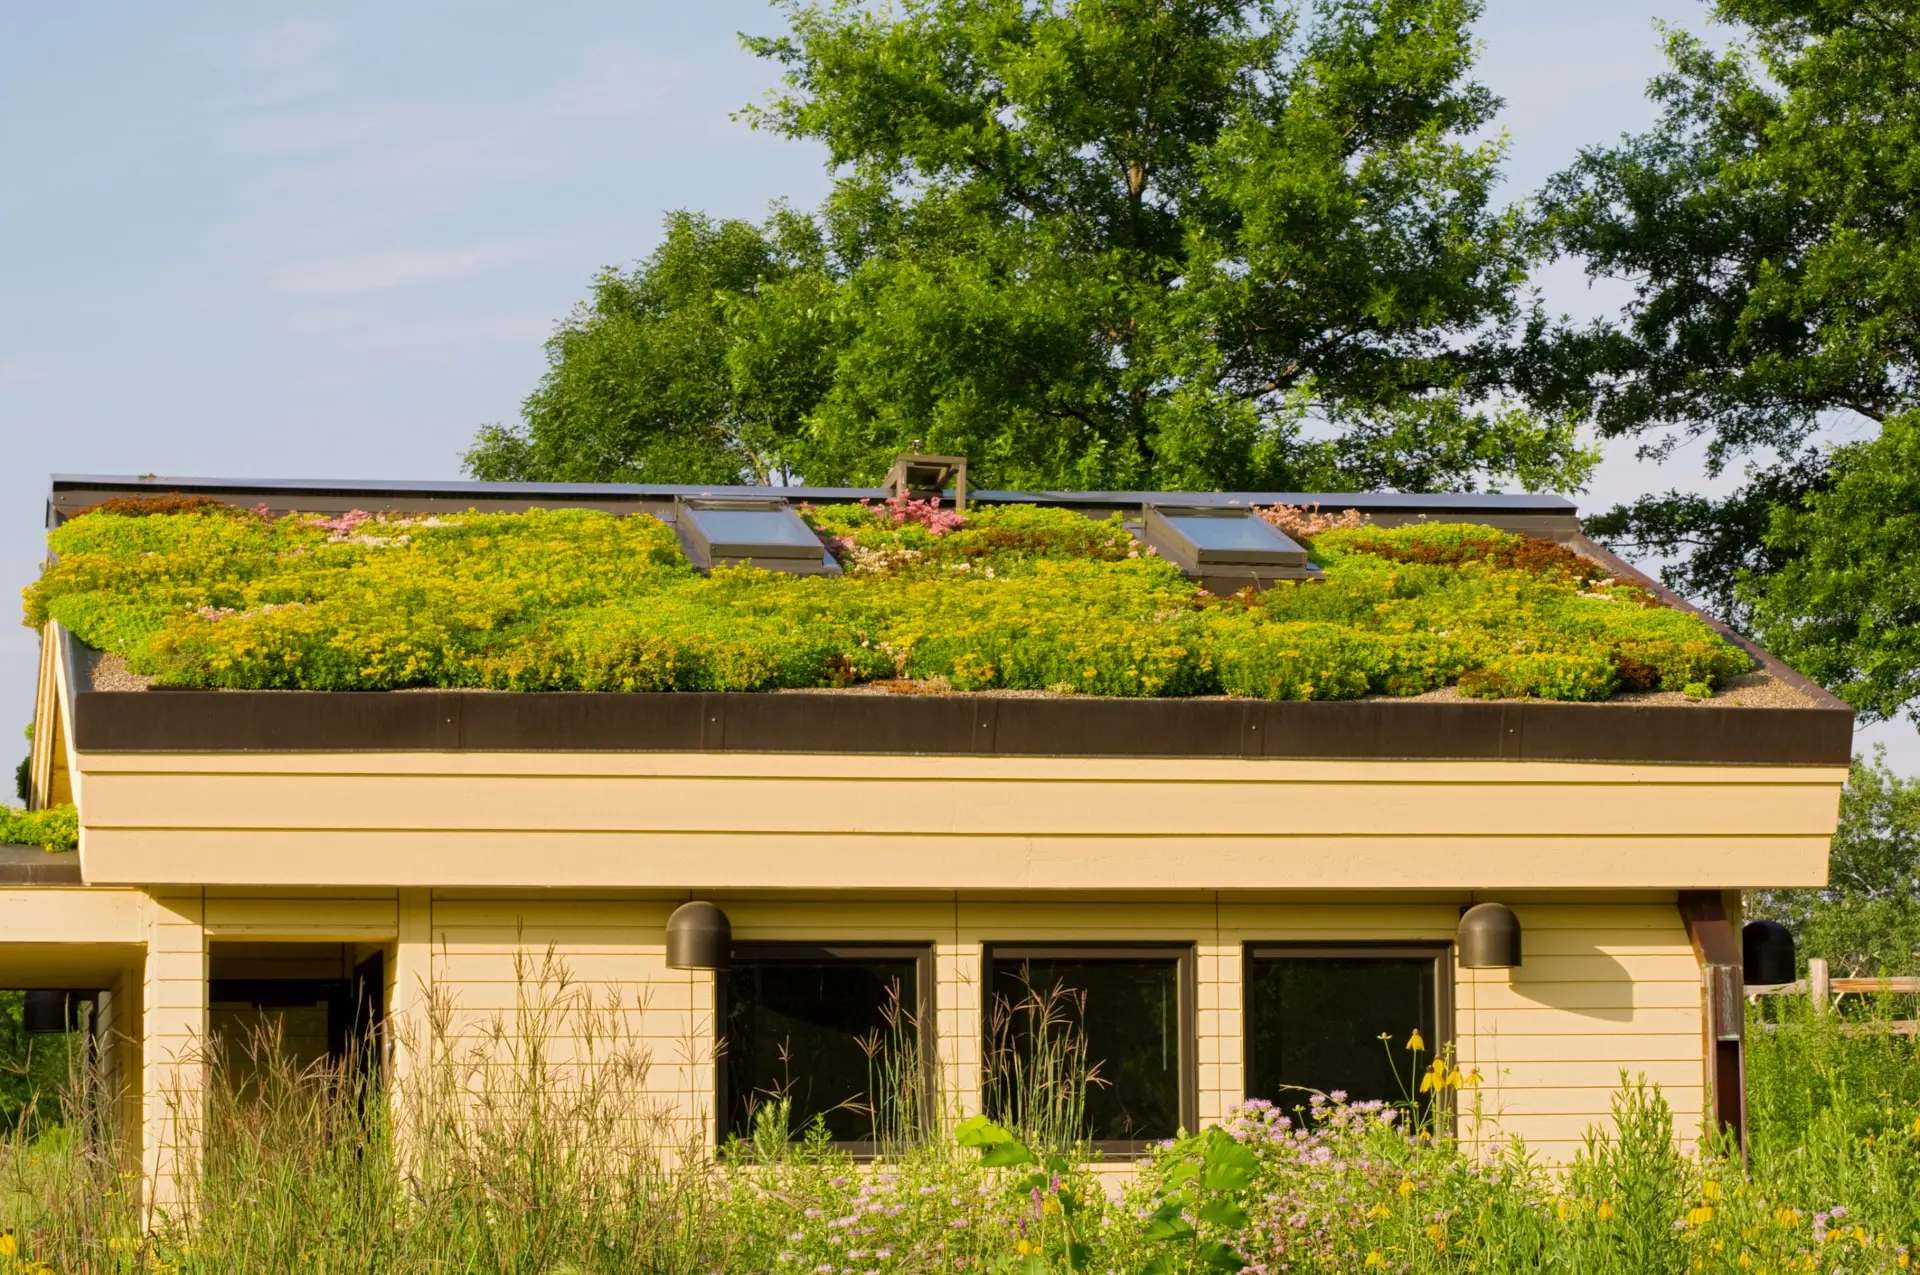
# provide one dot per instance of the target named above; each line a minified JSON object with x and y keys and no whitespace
{"x":843,"y":1033}
{"x":1125,"y":1014}
{"x":767,"y":533}
{"x":1315,"y":1016}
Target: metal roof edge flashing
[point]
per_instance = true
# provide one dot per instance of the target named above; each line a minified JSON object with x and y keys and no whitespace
{"x":826,"y":722}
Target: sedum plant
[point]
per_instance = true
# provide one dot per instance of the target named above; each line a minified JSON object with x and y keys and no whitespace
{"x":1002,"y":597}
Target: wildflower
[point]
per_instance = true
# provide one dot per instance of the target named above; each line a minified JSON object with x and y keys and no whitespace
{"x":1786,"y":1216}
{"x":1560,"y":1209}
{"x":1711,"y":1190}
{"x":1700,"y":1216}
{"x":1406,"y":1186}
{"x":1379,"y":1210}
{"x":8,"y":1245}
{"x":1438,"y":1234}
{"x":1416,"y":1043}
{"x":1376,"y":1258}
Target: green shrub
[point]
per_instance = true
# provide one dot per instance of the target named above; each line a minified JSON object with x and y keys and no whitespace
{"x":55,"y":828}
{"x":1563,"y":675}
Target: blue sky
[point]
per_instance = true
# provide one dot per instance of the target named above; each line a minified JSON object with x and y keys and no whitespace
{"x":250,"y":241}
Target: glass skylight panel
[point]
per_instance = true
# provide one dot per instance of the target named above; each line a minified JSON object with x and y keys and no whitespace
{"x":742,"y":529}
{"x":1226,"y":537}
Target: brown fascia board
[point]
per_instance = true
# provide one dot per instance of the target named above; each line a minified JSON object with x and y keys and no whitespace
{"x":30,"y":865}
{"x":958,"y":725}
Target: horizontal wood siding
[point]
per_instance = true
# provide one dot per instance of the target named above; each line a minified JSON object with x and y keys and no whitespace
{"x":740,"y":822}
{"x":1613,"y":988}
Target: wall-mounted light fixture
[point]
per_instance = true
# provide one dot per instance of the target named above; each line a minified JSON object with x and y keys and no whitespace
{"x":699,"y":937}
{"x":1766,"y":953}
{"x":1489,"y":937}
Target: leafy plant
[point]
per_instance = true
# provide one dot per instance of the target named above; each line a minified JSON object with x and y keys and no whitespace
{"x":54,"y":828}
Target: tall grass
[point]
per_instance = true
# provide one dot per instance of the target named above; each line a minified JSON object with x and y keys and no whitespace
{"x":537,"y":1141}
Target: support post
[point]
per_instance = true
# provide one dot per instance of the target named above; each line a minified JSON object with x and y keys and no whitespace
{"x":174,"y":1049}
{"x":1716,"y":945}
{"x":1819,"y":984}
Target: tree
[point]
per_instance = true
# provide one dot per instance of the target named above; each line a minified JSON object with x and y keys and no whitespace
{"x":1100,"y":243}
{"x":665,"y":374}
{"x":1765,"y":225}
{"x":1866,"y":921}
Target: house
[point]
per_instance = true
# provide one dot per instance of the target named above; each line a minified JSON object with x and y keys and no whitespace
{"x":1261,"y":830}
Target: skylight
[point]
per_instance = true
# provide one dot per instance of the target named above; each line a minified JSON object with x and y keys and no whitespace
{"x":767,"y":533}
{"x":1227,"y":542}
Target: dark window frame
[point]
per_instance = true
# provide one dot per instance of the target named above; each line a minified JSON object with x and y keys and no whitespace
{"x":925,"y":1012}
{"x":1184,"y":957}
{"x":1439,"y":951}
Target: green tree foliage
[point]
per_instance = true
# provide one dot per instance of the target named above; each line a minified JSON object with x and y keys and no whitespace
{"x":1866,"y":921}
{"x":1765,"y":225}
{"x":33,"y":1069}
{"x":1091,"y":243}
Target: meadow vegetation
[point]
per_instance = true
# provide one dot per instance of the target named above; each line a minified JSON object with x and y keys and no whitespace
{"x":504,"y":1154}
{"x":1003,"y":597}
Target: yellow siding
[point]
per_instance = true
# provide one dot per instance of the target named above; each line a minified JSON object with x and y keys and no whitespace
{"x":1614,"y":987}
{"x":1605,"y":991}
{"x":174,"y":1042}
{"x":743,"y":822}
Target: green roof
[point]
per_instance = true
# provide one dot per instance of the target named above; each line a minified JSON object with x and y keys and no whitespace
{"x":1007,"y":597}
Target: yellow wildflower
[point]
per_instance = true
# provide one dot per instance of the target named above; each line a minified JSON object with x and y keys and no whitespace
{"x":1605,"y":1211}
{"x":1786,"y":1216}
{"x":1416,"y":1043}
{"x":1376,"y":1258}
{"x":1406,"y":1186}
{"x":1379,"y":1210}
{"x":8,"y":1245}
{"x":1711,"y":1190}
{"x":1438,"y":1234}
{"x":1700,"y":1216}
{"x":1746,"y":1261}
{"x":1560,"y":1209}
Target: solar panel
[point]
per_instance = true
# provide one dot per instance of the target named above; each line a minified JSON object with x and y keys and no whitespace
{"x":1224,"y":537}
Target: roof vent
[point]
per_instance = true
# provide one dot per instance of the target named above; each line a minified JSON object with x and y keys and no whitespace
{"x":1766,"y":954}
{"x":928,"y":477}
{"x":699,"y":937}
{"x":1489,"y":937}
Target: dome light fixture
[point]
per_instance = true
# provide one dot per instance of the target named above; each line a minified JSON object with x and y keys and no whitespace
{"x":1766,"y":954}
{"x":1489,"y":937}
{"x":699,"y":937}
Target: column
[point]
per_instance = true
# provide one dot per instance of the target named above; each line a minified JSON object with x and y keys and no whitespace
{"x":173,"y":1048}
